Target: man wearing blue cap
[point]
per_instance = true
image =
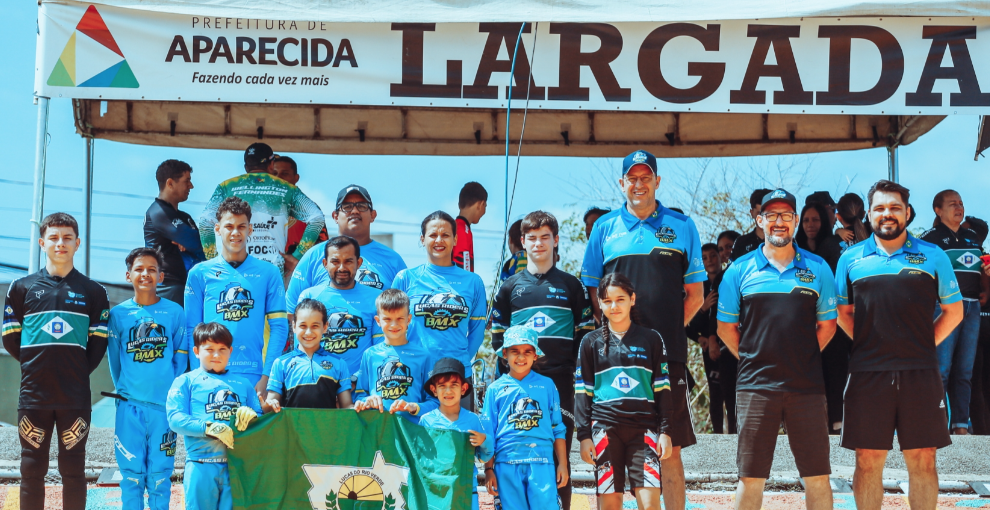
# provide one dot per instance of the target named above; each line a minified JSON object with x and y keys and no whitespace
{"x":660,"y":251}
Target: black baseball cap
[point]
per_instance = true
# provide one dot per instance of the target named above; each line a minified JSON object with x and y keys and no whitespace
{"x":820,"y":197}
{"x":258,"y":154}
{"x":352,"y":188}
{"x":446,"y":366}
{"x":779,"y":195}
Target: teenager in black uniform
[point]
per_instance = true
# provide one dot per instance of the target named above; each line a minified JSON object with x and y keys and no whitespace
{"x":957,"y":353}
{"x":555,"y":304}
{"x":55,"y":325}
{"x":171,"y":231}
{"x":623,"y":400}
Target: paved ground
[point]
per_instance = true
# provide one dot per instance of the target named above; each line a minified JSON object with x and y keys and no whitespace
{"x":100,"y":498}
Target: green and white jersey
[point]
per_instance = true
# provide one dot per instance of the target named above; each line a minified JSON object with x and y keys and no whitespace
{"x":272,"y":201}
{"x":964,"y":250}
{"x":623,"y":382}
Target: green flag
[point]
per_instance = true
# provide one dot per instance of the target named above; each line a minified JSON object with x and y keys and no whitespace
{"x":341,"y":460}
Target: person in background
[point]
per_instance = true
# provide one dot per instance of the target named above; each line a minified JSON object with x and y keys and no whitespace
{"x":285,"y":168}
{"x":472,"y":202}
{"x":815,"y":235}
{"x":517,"y":262}
{"x":700,"y":330}
{"x":171,"y":231}
{"x":957,"y":352}
{"x":824,"y":199}
{"x":724,"y":241}
{"x":748,"y":242}
{"x":851,"y":213}
{"x":590,"y":217}
{"x":727,"y":364}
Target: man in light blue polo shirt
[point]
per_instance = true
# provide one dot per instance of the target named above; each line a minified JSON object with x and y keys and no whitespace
{"x":660,"y":251}
{"x":776,"y":312}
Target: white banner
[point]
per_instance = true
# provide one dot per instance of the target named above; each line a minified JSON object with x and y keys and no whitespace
{"x":888,"y":66}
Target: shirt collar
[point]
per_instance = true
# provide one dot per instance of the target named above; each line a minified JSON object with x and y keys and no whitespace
{"x":910,"y":246}
{"x":299,"y":352}
{"x":654,"y":220}
{"x":798,"y":262}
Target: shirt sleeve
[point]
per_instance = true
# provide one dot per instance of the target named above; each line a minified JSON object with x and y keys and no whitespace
{"x":584,"y":318}
{"x":305,"y":209}
{"x":948,"y":287}
{"x":302,"y":278}
{"x":843,"y":287}
{"x":486,"y":451}
{"x":99,"y":315}
{"x":343,"y":376}
{"x":113,"y":348}
{"x":13,"y":316}
{"x":193,"y":297}
{"x":180,"y":355}
{"x":593,"y":266}
{"x":729,"y":296}
{"x":207,"y":220}
{"x":278,"y":325}
{"x":177,"y":409}
{"x":361,"y":385}
{"x":662,"y":398}
{"x":501,"y":314}
{"x":463,"y":245}
{"x":479,"y":315}
{"x":252,"y":398}
{"x":584,"y":389}
{"x":556,"y":417}
{"x":276,"y":379}
{"x":826,"y":295}
{"x":695,"y":271}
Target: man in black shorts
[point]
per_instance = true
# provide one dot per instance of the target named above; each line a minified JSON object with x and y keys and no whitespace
{"x":776,"y":312}
{"x":660,"y":251}
{"x":887,"y":287}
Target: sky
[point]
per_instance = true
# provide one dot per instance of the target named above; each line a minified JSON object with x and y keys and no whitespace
{"x":404,"y":188}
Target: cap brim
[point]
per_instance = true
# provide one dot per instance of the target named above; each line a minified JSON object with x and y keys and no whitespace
{"x":779,"y":201}
{"x":539,"y":353}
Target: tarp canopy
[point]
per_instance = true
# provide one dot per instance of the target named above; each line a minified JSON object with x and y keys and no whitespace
{"x":460,"y":11}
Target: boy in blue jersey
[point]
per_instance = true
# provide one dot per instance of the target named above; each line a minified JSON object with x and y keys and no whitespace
{"x":354,"y":214}
{"x":351,"y":307}
{"x":448,"y":384}
{"x":147,"y":351}
{"x":522,"y":409}
{"x":200,"y":404}
{"x":309,"y":376}
{"x":392,"y":373}
{"x":241,"y":292}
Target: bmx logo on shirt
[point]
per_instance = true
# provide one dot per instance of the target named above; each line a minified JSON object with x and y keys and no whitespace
{"x":805,"y":275}
{"x":526,"y":414}
{"x":915,"y":258}
{"x":168,"y":444}
{"x":326,"y":365}
{"x":235,"y":303}
{"x":394,"y":379}
{"x":148,"y":341}
{"x":369,"y":278}
{"x":666,"y":234}
{"x":442,"y":311}
{"x":222,"y":404}
{"x":344,"y":333}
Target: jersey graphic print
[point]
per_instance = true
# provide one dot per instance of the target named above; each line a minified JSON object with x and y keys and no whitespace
{"x":148,"y":341}
{"x":168,"y":443}
{"x":74,"y":434}
{"x":442,"y":310}
{"x":805,"y":275}
{"x":394,"y":379}
{"x":369,"y":278}
{"x":235,"y":302}
{"x":34,"y":436}
{"x":222,"y":404}
{"x":344,"y":333}
{"x":526,"y":414}
{"x":666,"y":234}
{"x":916,"y":258}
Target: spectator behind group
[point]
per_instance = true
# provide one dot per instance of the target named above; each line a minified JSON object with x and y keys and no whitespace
{"x":285,"y":168}
{"x":724,"y":241}
{"x":815,"y":235}
{"x":472,"y":202}
{"x":171,"y":231}
{"x":517,"y":261}
{"x":851,"y":213}
{"x":748,"y":242}
{"x":590,"y":217}
{"x":273,"y":202}
{"x":703,"y":330}
{"x":824,"y":199}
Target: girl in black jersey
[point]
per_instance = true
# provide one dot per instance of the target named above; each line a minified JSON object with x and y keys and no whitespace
{"x":623,"y":400}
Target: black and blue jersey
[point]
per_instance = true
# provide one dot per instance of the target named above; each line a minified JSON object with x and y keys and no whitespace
{"x":778,"y":313}
{"x":311,"y":382}
{"x":964,"y":249}
{"x":895,"y":299}
{"x":660,"y":255}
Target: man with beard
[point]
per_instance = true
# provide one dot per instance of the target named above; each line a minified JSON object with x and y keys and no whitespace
{"x":351,"y":307}
{"x":776,"y":312}
{"x":888,"y":286}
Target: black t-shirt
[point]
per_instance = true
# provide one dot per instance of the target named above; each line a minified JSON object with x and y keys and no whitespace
{"x":745,"y":244}
{"x":164,"y":224}
{"x":964,"y":249}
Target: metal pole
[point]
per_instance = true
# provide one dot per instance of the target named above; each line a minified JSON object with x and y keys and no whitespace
{"x":88,"y":203}
{"x":38,"y":193}
{"x":892,"y":171}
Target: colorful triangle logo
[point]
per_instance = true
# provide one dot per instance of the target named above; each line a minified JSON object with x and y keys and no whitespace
{"x":92,"y":27}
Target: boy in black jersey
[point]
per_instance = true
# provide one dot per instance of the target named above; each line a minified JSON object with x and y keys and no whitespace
{"x":555,"y":304}
{"x":55,"y":325}
{"x":623,"y":400}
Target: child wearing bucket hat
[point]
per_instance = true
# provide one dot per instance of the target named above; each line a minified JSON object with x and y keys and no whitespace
{"x":448,"y":384}
{"x":522,"y":408}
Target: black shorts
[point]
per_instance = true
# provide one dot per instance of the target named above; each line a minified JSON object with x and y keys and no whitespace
{"x":680,"y":426}
{"x":625,"y":449}
{"x":760,"y":414}
{"x":910,"y":402}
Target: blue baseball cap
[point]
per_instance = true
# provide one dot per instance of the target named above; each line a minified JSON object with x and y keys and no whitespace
{"x":639,"y":158}
{"x":520,"y":335}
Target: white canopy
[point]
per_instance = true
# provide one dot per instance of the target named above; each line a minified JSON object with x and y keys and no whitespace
{"x":454,"y":11}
